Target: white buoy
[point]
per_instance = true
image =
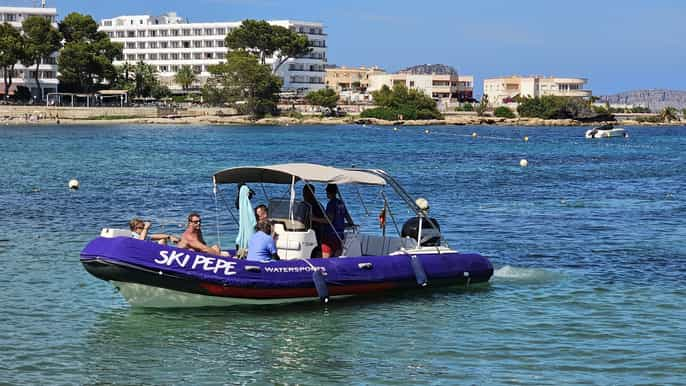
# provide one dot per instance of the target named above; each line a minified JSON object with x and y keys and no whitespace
{"x":474,"y":135}
{"x":427,"y":131}
{"x":526,"y":139}
{"x":73,"y":184}
{"x":523,"y":163}
{"x":395,"y":129}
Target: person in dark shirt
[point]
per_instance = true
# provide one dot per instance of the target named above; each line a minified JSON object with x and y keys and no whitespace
{"x":336,"y":213}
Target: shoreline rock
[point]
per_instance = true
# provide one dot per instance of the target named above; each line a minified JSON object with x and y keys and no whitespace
{"x":313,"y":121}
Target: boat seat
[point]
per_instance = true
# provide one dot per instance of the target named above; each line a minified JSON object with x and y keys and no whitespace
{"x":290,"y":225}
{"x":382,"y":245}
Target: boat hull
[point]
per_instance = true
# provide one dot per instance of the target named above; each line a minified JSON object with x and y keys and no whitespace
{"x":613,"y":133}
{"x":152,"y":275}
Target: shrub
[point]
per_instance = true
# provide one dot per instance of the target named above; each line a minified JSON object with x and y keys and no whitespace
{"x":503,"y":112}
{"x":385,"y":113}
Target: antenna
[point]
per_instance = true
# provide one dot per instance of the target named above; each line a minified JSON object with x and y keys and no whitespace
{"x":42,"y":4}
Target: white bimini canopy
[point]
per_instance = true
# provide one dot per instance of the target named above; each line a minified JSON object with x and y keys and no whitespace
{"x":284,"y":174}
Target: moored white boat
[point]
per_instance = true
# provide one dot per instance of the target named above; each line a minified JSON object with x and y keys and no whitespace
{"x":606,"y":131}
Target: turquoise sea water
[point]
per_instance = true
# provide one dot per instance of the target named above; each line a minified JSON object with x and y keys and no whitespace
{"x":589,"y":245}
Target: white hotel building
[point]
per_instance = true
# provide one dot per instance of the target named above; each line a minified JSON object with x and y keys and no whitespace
{"x":47,"y":70}
{"x":169,"y":42}
{"x":501,"y":91}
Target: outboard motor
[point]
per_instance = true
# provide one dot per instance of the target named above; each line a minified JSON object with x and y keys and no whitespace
{"x":431,"y":236}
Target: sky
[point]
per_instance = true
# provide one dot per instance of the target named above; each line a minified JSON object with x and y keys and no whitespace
{"x":617,"y":45}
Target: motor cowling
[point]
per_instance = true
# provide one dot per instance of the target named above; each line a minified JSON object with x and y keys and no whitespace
{"x":431,"y":231}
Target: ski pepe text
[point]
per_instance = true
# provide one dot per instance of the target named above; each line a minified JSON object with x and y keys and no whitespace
{"x":206,"y":263}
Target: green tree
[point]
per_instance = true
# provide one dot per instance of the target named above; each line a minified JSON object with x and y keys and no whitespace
{"x":244,"y":82}
{"x":185,"y":77}
{"x":482,"y":106}
{"x":669,"y":114}
{"x":402,"y":103}
{"x":144,"y":80}
{"x":86,"y":59}
{"x":41,"y":40}
{"x":11,"y":48}
{"x":503,"y":112}
{"x":268,"y":40}
{"x":325,"y":97}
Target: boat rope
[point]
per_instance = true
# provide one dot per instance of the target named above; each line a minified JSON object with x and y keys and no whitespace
{"x":357,"y":190}
{"x":390,"y":213}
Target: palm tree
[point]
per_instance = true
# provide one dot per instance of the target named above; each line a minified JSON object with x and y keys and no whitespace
{"x":669,"y":114}
{"x":185,"y":77}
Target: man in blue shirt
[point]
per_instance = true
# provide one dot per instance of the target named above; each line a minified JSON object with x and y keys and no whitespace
{"x":261,"y":245}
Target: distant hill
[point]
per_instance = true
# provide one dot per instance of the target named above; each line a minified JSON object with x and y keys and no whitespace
{"x":427,"y":69}
{"x":655,"y":100}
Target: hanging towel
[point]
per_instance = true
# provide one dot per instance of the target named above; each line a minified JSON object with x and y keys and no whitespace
{"x":246,"y":218}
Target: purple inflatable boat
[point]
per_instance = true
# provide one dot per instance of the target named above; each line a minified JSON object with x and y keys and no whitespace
{"x":148,"y":274}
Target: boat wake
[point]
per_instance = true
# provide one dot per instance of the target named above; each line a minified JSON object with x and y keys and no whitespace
{"x":509,"y":273}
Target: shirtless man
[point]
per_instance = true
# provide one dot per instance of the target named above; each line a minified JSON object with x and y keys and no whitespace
{"x":192,"y":237}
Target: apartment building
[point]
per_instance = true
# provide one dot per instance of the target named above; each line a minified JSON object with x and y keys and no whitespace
{"x":169,"y":42}
{"x":350,"y":78}
{"x":47,"y":70}
{"x":501,"y":91}
{"x":436,"y":86}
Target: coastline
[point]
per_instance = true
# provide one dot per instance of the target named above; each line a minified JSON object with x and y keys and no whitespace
{"x":238,"y":120}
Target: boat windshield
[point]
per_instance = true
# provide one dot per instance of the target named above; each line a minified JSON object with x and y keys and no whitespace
{"x":279,"y":212}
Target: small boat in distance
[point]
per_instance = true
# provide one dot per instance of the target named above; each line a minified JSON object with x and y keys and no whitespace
{"x":148,"y":274}
{"x":606,"y":131}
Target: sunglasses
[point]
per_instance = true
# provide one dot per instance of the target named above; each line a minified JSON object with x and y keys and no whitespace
{"x":195,"y":222}
{"x":140,"y":227}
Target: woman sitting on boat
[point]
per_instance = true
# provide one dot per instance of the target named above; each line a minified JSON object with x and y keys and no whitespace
{"x":140,"y":228}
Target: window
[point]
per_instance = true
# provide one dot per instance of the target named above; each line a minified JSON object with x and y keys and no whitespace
{"x":164,"y":32}
{"x":186,"y":44}
{"x":164,"y":56}
{"x":208,"y":31}
{"x":164,"y":44}
{"x":175,"y":68}
{"x":197,"y":44}
{"x":186,"y":32}
{"x":175,"y":32}
{"x":197,"y":31}
{"x":130,"y":45}
{"x":130,"y":34}
{"x":175,"y":44}
{"x":175,"y":56}
{"x":130,"y":57}
{"x":141,"y":56}
{"x":220,"y":43}
{"x":197,"y":55}
{"x":221,"y":31}
{"x":197,"y":69}
{"x":152,"y":56}
{"x":152,"y":33}
{"x":186,"y":56}
{"x":141,"y":45}
{"x":163,"y":68}
{"x":152,"y":44}
{"x":141,"y":34}
{"x":108,"y":23}
{"x":208,"y":55}
{"x":120,"y":34}
{"x":209,"y":43}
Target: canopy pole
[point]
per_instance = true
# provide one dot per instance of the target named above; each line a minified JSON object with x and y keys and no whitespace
{"x":216,"y":210}
{"x":292,"y":201}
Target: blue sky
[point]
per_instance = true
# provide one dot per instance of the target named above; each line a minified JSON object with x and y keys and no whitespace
{"x":618,"y":45}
